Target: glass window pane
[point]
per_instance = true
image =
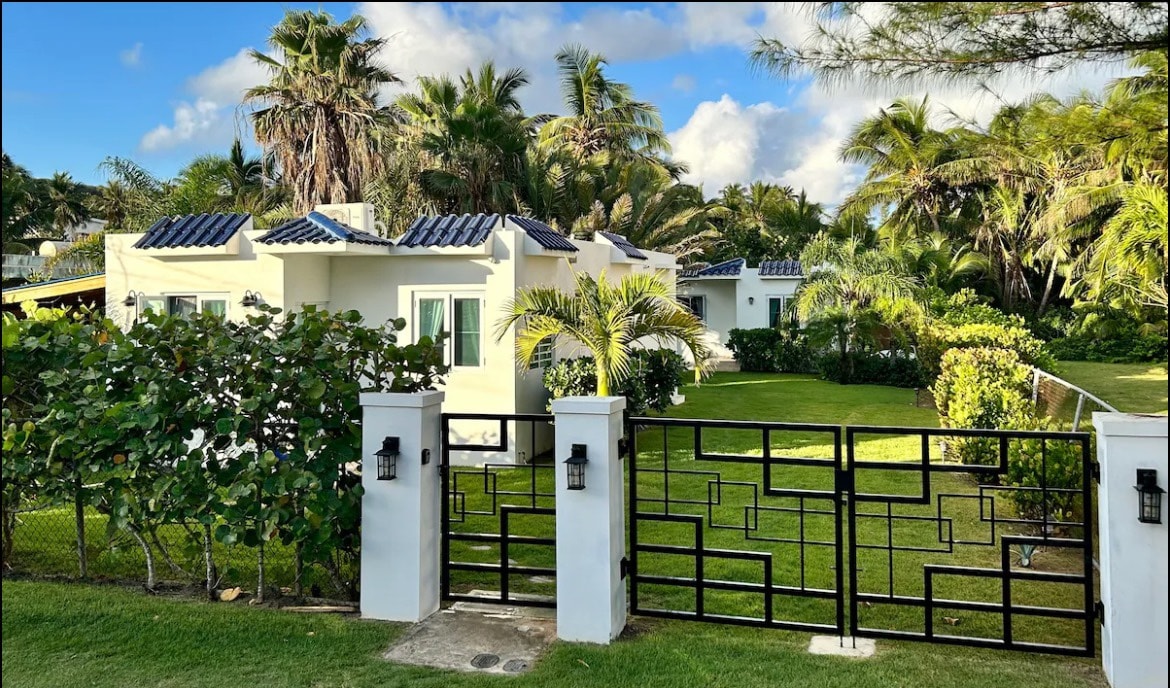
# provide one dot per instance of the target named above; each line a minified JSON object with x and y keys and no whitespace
{"x":154,"y":303}
{"x":430,"y":318}
{"x":775,"y":311}
{"x":467,"y":332}
{"x":182,"y":305}
{"x":215,"y":306}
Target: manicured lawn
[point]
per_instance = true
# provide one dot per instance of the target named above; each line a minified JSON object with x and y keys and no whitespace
{"x":76,"y":635}
{"x":1131,"y":387}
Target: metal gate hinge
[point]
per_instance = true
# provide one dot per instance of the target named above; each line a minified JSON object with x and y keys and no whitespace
{"x":1099,"y":611}
{"x":623,"y":447}
{"x":1095,"y":470}
{"x":624,"y":567}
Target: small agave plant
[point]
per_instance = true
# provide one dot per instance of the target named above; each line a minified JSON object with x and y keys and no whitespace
{"x":1026,"y":552}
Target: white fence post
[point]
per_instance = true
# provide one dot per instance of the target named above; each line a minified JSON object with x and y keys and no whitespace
{"x":591,"y":525}
{"x":1133,"y":555}
{"x":401,"y":517}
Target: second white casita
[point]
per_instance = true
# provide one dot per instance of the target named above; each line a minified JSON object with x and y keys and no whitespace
{"x":450,"y":274}
{"x":730,"y":295}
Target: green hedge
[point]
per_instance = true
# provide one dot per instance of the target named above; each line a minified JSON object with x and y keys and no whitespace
{"x":871,"y":369}
{"x":981,"y":388}
{"x":938,"y":338}
{"x":1123,"y":348}
{"x":656,"y":374}
{"x":771,"y":350}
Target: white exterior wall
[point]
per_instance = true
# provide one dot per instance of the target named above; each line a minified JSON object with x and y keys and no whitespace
{"x":162,"y":272}
{"x":737,"y":302}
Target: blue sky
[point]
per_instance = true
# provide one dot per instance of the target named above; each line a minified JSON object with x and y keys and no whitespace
{"x":160,"y":83}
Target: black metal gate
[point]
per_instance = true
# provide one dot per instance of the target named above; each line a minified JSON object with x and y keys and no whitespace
{"x":752,"y":537}
{"x":499,"y":515}
{"x":945,"y":540}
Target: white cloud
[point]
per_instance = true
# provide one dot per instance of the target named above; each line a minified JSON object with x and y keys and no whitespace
{"x":683,"y":82}
{"x":133,"y":56}
{"x":725,"y":142}
{"x":225,"y":83}
{"x":200,"y":121}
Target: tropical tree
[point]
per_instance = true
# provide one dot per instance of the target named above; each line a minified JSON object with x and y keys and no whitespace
{"x":603,"y":116}
{"x":853,"y":293}
{"x":909,"y":41}
{"x":472,"y":138}
{"x":23,"y":206}
{"x":319,"y":113}
{"x":606,"y":319}
{"x":903,"y":153}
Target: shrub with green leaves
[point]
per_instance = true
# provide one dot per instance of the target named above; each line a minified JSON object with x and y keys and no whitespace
{"x":772,"y":350}
{"x":981,"y":388}
{"x":871,"y":369}
{"x":937,"y":338}
{"x":1056,"y":464}
{"x":655,"y":374}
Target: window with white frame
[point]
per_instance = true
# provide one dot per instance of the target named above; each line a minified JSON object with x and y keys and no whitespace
{"x":778,"y":312}
{"x":543,"y":356}
{"x":460,"y":315}
{"x":185,"y":304}
{"x":695,"y":304}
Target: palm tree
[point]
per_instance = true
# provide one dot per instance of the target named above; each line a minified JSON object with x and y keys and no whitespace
{"x":319,"y":113}
{"x":604,"y":117}
{"x":23,"y":203}
{"x":852,"y":292}
{"x":65,"y":199}
{"x":903,"y":153}
{"x":606,"y":319}
{"x":472,"y":137}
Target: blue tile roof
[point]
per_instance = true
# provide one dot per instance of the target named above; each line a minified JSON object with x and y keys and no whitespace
{"x":728,"y":268}
{"x":544,"y":235}
{"x":450,"y":230}
{"x":624,"y":244}
{"x":186,"y":231}
{"x":316,"y":228}
{"x":781,"y":268}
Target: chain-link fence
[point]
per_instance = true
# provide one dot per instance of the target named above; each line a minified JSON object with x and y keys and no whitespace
{"x":1063,"y":401}
{"x":44,"y":542}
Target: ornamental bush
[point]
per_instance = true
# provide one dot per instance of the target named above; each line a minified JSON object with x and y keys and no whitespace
{"x":772,"y":350}
{"x":981,"y":388}
{"x":1055,"y":464}
{"x":871,"y":369}
{"x":937,"y":338}
{"x":655,"y":375}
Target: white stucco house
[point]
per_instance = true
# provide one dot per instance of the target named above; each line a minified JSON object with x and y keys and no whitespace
{"x":730,"y":295}
{"x":449,"y":274}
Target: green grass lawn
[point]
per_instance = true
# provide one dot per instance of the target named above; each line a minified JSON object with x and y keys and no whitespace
{"x":77,"y":635}
{"x":1131,"y":387}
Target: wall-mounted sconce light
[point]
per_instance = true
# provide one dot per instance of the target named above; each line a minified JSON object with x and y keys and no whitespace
{"x":250,"y":299}
{"x":751,"y":300}
{"x":1149,"y":496}
{"x":388,"y":459}
{"x":130,"y":301}
{"x":575,"y":465}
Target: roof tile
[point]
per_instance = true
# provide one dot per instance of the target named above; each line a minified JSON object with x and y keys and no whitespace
{"x":781,"y":268}
{"x":544,"y":235}
{"x":186,"y":231}
{"x":316,"y":228}
{"x":624,"y":244}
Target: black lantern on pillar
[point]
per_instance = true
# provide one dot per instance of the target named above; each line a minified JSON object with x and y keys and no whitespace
{"x":575,"y":465}
{"x":1149,"y":496}
{"x":388,"y":459}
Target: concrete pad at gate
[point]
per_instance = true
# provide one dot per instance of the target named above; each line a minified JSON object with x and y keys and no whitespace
{"x":838,"y":646}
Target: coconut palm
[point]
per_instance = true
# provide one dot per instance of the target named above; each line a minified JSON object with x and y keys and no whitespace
{"x":606,"y":319}
{"x":852,"y":292}
{"x":319,"y":113}
{"x":604,"y":116}
{"x":65,"y":200}
{"x":903,"y":153}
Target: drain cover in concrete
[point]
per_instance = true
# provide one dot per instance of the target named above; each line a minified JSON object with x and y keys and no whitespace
{"x":467,"y":640}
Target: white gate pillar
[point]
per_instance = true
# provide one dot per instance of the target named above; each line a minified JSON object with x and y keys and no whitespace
{"x":591,"y":525}
{"x":401,"y":517}
{"x":1133,"y":555}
